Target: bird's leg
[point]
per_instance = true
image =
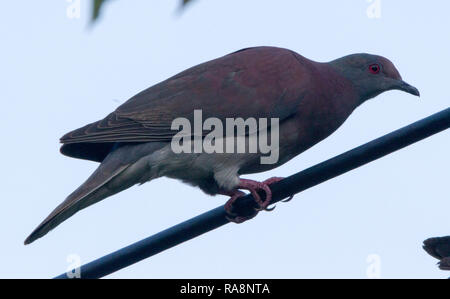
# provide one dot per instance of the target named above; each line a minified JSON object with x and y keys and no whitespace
{"x":253,"y":187}
{"x":275,"y":179}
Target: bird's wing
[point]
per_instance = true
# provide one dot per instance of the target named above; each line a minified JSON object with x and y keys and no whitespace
{"x":257,"y":82}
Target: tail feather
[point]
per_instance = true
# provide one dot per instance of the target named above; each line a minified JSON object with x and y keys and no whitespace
{"x":93,"y":190}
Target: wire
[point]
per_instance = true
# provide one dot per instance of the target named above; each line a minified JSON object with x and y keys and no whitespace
{"x":296,"y":183}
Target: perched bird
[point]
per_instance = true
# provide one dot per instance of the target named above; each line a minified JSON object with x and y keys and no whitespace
{"x":309,"y":99}
{"x":439,"y":248}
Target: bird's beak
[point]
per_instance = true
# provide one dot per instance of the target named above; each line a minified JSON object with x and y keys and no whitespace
{"x":403,"y":86}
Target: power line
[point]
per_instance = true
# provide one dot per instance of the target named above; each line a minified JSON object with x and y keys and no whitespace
{"x":291,"y":185}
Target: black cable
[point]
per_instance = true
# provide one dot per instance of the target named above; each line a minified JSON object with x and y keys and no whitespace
{"x":291,"y":185}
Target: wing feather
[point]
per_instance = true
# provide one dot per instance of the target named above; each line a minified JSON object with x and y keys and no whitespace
{"x":257,"y":82}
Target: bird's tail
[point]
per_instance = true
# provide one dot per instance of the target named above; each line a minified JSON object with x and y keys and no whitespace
{"x":105,"y":181}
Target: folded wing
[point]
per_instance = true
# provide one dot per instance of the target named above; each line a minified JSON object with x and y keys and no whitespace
{"x":256,"y":82}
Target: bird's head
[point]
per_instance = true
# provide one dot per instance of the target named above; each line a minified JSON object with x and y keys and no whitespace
{"x":372,"y":75}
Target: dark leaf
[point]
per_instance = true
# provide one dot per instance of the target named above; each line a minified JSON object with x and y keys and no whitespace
{"x":97,"y":5}
{"x":437,"y":247}
{"x":184,"y":2}
{"x":444,"y":264}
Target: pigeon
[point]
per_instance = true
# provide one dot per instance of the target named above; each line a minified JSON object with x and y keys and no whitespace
{"x":309,"y":101}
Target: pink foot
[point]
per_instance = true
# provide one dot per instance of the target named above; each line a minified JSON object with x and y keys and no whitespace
{"x":253,"y":187}
{"x":272,"y":180}
{"x":276,"y":180}
{"x":233,"y":217}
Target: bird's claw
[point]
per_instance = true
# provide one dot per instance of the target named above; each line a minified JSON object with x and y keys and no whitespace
{"x":253,"y":187}
{"x":288,"y":199}
{"x":270,"y":209}
{"x":232,"y":216}
{"x":276,"y":180}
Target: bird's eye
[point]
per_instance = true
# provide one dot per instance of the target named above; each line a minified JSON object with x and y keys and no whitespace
{"x":374,"y":68}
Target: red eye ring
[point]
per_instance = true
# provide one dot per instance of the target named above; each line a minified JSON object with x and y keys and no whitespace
{"x":374,"y":68}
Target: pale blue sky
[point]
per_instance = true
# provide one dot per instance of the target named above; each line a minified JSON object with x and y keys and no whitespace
{"x":58,"y":74}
